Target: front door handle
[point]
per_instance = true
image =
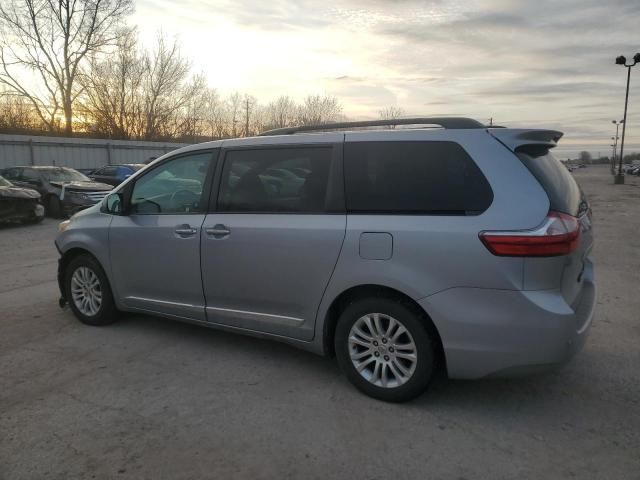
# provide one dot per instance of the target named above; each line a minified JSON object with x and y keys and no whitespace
{"x":218,"y":231}
{"x":186,"y":230}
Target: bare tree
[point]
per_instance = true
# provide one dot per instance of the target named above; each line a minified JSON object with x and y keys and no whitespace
{"x":188,"y":118}
{"x":281,"y":112}
{"x":16,"y":113}
{"x":112,"y":91}
{"x":53,"y":39}
{"x":319,"y":109}
{"x":391,"y":113}
{"x":234,"y":104}
{"x":167,"y":69}
{"x":248,"y":108}
{"x":213,"y":114}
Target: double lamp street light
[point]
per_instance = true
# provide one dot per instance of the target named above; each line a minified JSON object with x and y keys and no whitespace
{"x":621,"y":60}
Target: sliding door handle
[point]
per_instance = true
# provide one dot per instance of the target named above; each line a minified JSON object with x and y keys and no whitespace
{"x":217,"y":231}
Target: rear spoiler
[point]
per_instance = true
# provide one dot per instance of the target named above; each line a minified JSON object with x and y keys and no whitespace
{"x":515,"y":138}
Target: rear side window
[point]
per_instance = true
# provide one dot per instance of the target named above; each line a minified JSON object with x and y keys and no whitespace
{"x":435,"y":178}
{"x":275,"y":180}
{"x":563,"y":191}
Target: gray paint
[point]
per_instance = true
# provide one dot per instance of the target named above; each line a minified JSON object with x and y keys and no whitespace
{"x":376,"y":246}
{"x":278,"y":275}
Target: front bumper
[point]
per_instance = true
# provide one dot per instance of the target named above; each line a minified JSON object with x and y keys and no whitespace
{"x":505,"y":333}
{"x":72,"y":205}
{"x":62,"y":301}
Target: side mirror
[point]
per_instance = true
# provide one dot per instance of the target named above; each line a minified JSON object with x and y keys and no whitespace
{"x":113,"y":204}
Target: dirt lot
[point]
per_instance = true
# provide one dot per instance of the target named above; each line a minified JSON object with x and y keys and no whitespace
{"x":151,"y":398}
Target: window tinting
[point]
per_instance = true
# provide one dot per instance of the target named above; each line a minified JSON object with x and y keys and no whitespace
{"x":563,"y":191}
{"x":275,"y":180}
{"x":175,"y":186}
{"x":414,"y":177}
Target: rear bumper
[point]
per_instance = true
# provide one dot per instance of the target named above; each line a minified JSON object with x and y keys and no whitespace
{"x":506,"y":333}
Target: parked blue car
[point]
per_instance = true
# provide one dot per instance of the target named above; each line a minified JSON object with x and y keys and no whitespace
{"x":115,"y":174}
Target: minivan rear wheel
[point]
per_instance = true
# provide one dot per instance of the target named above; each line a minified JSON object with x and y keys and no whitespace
{"x":384,"y":349}
{"x":88,"y":292}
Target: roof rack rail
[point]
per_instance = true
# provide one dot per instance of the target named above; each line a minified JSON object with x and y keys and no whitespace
{"x":444,"y":122}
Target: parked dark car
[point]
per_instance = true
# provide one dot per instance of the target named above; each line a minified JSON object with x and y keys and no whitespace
{"x":19,"y":204}
{"x":115,"y":174}
{"x":64,"y":191}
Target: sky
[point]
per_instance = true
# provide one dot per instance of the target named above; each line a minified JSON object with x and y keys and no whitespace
{"x":535,"y":63}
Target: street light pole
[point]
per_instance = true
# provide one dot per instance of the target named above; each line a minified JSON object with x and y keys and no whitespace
{"x":612,"y":163}
{"x":615,"y":146}
{"x":621,"y":60}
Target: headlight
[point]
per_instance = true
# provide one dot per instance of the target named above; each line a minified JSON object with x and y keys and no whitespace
{"x":64,"y":225}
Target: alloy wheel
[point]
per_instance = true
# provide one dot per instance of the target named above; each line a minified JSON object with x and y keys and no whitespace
{"x":86,"y":291}
{"x":382,"y":350}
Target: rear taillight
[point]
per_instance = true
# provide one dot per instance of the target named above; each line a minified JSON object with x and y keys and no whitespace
{"x":558,"y":235}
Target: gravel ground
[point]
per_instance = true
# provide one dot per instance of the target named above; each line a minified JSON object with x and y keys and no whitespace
{"x":151,"y":398}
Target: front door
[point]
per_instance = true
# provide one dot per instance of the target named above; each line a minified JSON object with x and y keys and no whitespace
{"x":155,"y":248}
{"x":270,"y":248}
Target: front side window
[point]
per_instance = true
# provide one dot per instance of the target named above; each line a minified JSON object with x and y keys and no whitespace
{"x":275,"y":180}
{"x":433,"y":178}
{"x":174,"y":187}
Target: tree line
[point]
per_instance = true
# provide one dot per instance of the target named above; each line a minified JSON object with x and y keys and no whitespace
{"x":74,"y":67}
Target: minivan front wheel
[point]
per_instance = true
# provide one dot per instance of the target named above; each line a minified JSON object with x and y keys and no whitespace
{"x":88,"y":292}
{"x":384,"y":348}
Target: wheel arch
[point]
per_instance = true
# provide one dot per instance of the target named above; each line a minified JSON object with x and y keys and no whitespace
{"x":354,"y":293}
{"x":66,"y":257}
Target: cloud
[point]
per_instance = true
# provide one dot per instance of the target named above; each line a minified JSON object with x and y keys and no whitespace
{"x":543,"y":62}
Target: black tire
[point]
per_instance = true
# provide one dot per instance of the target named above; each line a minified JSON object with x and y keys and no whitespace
{"x":107,"y":312}
{"x":54,"y":207}
{"x":34,"y":219}
{"x":414,"y":321}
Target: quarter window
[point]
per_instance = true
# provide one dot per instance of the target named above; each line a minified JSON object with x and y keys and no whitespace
{"x":173,"y":187}
{"x":275,"y":180}
{"x":437,"y":178}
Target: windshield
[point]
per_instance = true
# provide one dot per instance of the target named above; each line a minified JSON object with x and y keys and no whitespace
{"x":4,"y":182}
{"x":64,"y":175}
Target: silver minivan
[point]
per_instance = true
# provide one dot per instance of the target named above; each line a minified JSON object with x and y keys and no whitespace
{"x":401,"y":251}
